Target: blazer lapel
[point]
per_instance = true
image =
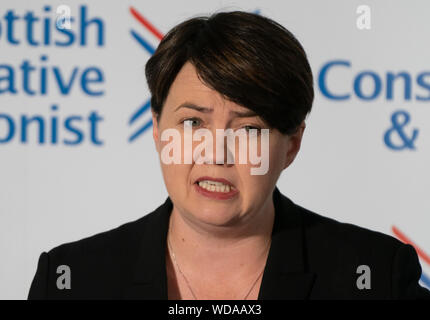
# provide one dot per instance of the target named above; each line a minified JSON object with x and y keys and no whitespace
{"x":149,"y":281}
{"x":285,"y":275}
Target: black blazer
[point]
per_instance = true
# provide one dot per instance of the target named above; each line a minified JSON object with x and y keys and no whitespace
{"x":311,"y":257}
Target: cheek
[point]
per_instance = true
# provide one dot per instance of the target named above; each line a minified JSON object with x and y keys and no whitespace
{"x":270,"y":154}
{"x":255,"y":186}
{"x":171,"y":162}
{"x":176,"y":172}
{"x":177,"y":178}
{"x":277,"y":155}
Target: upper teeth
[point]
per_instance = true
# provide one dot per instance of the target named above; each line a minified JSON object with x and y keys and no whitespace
{"x":214,"y":186}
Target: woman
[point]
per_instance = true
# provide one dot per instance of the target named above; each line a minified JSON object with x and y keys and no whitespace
{"x":224,"y":232}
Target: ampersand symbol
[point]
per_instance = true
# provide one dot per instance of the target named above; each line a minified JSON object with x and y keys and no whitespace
{"x":398,"y":127}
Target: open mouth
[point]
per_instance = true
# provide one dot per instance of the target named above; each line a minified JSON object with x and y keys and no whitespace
{"x":215,"y":186}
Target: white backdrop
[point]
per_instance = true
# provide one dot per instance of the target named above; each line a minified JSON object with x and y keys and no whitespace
{"x":89,"y":177}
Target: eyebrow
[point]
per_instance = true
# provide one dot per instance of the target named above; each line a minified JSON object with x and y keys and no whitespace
{"x":240,"y":114}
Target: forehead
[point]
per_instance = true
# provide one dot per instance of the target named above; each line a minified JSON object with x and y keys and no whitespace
{"x":187,"y":87}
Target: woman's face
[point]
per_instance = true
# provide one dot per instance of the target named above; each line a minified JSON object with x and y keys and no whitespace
{"x":249,"y":193}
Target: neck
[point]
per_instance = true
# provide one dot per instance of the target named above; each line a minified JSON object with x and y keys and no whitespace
{"x":240,"y":248}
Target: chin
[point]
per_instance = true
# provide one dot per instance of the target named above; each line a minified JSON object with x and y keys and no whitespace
{"x":216,"y":217}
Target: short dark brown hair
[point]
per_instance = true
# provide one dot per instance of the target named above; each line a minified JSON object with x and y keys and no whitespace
{"x":249,"y":59}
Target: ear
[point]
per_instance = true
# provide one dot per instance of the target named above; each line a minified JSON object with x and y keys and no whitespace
{"x":294,"y":142}
{"x":155,"y":132}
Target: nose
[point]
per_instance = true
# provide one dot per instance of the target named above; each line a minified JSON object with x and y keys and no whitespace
{"x":219,"y":154}
{"x":222,"y":152}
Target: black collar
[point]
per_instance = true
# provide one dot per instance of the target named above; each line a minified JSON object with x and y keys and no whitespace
{"x":285,"y":275}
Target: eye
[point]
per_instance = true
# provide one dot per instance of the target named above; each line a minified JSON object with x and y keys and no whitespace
{"x":189,"y":122}
{"x":249,"y":127}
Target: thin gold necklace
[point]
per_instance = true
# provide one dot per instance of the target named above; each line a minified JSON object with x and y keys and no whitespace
{"x":188,"y":284}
